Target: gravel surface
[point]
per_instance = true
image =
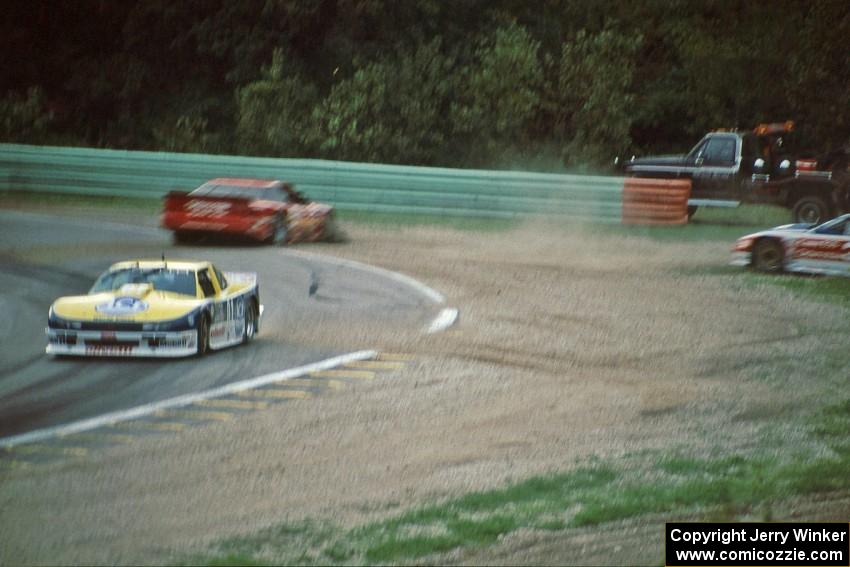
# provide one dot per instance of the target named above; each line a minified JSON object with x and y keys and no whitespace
{"x":569,"y":345}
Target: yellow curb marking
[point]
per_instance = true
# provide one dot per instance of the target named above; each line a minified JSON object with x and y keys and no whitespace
{"x":313,"y":382}
{"x":376,"y":364}
{"x":15,"y":464}
{"x":196,"y":415}
{"x":47,"y":450}
{"x":360,"y":374}
{"x":158,"y":425}
{"x":112,"y":437}
{"x":296,"y":394}
{"x":233,"y":404}
{"x":396,"y":356}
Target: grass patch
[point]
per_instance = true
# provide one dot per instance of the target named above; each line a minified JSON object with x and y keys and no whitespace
{"x":233,"y":560}
{"x":832,"y":290}
{"x":745,"y":215}
{"x":832,"y":426}
{"x":726,"y":487}
{"x":824,"y":289}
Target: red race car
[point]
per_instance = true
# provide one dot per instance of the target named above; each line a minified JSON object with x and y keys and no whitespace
{"x":262,"y":210}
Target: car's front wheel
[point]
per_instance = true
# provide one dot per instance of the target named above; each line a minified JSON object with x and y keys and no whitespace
{"x":768,"y":256}
{"x":250,"y":328}
{"x":203,"y":342}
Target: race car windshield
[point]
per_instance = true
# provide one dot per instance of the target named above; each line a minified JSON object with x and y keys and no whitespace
{"x":266,"y":193}
{"x":835,"y":226}
{"x":162,"y":279}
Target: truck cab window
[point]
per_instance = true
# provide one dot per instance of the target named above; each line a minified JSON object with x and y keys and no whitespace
{"x":698,"y":150}
{"x":720,"y":151}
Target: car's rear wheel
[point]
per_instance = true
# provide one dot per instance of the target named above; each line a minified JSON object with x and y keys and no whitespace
{"x":250,"y":328}
{"x":810,"y":209}
{"x":280,"y":231}
{"x":768,"y":256}
{"x":183,"y":237}
{"x":203,"y":342}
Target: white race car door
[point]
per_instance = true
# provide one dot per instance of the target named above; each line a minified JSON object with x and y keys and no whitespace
{"x":825,"y":250}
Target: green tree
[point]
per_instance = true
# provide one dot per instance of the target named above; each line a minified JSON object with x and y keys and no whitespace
{"x":274,"y":112}
{"x":390,"y":110}
{"x":24,"y":118}
{"x":818,"y":77}
{"x":497,"y":96}
{"x":596,"y":100}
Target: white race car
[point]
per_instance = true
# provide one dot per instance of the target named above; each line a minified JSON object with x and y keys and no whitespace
{"x":822,"y":249}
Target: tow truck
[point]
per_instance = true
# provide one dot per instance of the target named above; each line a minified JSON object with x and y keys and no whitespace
{"x":728,"y":168}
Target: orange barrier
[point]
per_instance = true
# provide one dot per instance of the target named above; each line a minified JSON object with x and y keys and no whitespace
{"x":655,"y":201}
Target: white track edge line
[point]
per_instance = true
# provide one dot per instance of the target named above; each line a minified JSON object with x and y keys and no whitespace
{"x":444,"y":320}
{"x":425,"y":290}
{"x":181,"y":401}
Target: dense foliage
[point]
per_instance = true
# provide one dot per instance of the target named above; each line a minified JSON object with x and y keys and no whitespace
{"x":496,"y":83}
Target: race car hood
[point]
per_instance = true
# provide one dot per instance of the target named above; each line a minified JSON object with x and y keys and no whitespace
{"x":799,"y":227}
{"x":780,"y":230}
{"x":131,"y":303}
{"x":746,"y":241}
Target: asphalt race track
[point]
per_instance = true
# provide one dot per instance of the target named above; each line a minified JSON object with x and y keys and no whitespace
{"x":43,"y":257}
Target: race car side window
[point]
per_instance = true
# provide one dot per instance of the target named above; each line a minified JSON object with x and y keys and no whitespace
{"x":277,"y":194}
{"x":222,"y":281}
{"x":293,"y":195}
{"x":836,"y":227}
{"x":206,"y":283}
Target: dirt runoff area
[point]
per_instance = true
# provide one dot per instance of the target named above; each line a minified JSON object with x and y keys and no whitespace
{"x":571,"y":344}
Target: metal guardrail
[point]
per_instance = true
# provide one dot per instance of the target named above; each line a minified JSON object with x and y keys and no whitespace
{"x":348,"y":186}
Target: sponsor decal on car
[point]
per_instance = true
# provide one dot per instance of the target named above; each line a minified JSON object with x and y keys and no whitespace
{"x":819,"y":249}
{"x":109,"y":350}
{"x":122,"y":306}
{"x":207,"y":208}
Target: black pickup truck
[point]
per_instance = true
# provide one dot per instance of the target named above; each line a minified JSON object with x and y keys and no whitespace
{"x":728,"y":168}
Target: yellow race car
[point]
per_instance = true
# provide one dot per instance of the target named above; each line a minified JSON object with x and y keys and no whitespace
{"x":157,"y":308}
